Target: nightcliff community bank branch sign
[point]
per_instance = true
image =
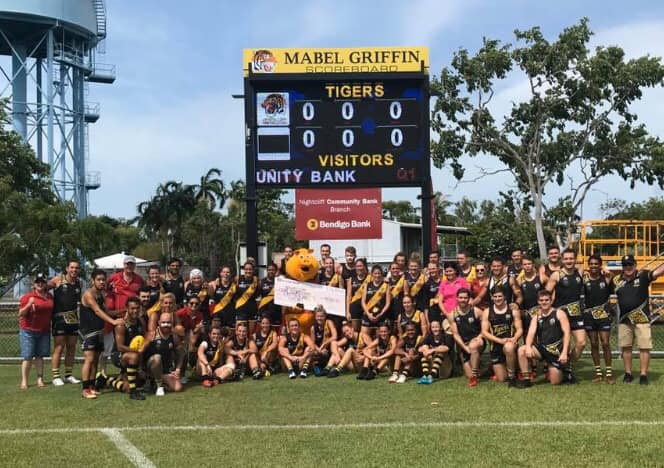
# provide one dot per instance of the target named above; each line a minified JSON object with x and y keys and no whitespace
{"x":338,"y":214}
{"x":338,"y":117}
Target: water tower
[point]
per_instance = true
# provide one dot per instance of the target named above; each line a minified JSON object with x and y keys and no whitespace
{"x":48,"y":56}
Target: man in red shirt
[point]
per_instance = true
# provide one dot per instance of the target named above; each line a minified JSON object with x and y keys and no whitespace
{"x":192,"y":320}
{"x":35,"y":311}
{"x":120,"y":286}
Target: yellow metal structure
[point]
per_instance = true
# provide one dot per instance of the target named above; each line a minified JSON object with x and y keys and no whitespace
{"x":614,"y":238}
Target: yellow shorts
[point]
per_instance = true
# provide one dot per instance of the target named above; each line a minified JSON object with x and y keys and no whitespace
{"x":638,"y":334}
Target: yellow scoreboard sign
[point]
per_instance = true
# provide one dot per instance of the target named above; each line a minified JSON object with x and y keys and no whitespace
{"x":332,"y":60}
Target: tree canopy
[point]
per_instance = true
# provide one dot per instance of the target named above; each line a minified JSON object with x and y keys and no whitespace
{"x":577,"y":115}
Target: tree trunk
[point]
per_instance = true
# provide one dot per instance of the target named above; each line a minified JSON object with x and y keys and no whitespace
{"x":539,"y":228}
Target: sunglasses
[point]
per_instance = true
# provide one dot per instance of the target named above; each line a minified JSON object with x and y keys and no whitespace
{"x":480,"y":270}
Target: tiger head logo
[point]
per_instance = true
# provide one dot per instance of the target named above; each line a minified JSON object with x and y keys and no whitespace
{"x":264,"y":61}
{"x":274,"y":104}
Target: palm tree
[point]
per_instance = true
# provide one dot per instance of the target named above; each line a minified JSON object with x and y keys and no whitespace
{"x":211,"y":189}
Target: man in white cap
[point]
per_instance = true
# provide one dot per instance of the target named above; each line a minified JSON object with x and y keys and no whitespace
{"x":120,"y":286}
{"x":631,"y":287}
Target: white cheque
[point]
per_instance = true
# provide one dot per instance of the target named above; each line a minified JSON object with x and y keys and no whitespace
{"x":290,"y":293}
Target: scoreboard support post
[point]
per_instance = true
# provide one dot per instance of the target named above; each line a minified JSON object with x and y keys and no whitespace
{"x":251,"y":233}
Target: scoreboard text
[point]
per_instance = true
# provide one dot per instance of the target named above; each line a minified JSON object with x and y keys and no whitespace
{"x":340,"y":129}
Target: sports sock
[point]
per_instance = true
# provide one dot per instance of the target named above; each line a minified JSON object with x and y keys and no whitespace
{"x":475,"y":372}
{"x":68,"y":370}
{"x":131,"y":377}
{"x":56,"y":373}
{"x":437,"y":362}
{"x":305,"y":367}
{"x":425,"y":366}
{"x":598,"y":371}
{"x":609,"y":371}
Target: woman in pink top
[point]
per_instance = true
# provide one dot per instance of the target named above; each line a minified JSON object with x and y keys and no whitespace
{"x":449,"y":287}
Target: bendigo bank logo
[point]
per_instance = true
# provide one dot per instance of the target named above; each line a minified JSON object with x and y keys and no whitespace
{"x":264,"y":61}
{"x":274,"y":104}
{"x":312,"y":224}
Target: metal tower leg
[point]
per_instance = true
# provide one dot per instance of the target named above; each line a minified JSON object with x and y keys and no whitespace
{"x":50,"y":118}
{"x":20,"y":90}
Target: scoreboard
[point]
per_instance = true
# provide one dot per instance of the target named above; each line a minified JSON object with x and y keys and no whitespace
{"x":330,"y":121}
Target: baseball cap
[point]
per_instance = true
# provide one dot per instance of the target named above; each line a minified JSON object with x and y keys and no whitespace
{"x":129,"y":259}
{"x":628,"y":260}
{"x":41,"y":277}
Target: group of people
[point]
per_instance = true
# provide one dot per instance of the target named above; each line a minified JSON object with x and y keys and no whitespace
{"x":409,"y":322}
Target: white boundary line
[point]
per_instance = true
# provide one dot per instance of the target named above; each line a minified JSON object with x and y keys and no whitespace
{"x":128,"y":449}
{"x":385,"y":425}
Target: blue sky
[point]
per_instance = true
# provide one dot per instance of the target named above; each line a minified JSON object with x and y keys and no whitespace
{"x":170,"y":114}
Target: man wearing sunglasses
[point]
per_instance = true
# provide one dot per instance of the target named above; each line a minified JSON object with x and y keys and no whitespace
{"x":192,"y":319}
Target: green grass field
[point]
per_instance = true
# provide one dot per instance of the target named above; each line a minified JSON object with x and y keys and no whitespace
{"x":338,"y":422}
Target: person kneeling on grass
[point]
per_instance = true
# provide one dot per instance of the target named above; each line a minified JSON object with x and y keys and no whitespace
{"x":323,"y":333}
{"x":266,"y":341}
{"x":378,"y":354}
{"x":127,"y":350}
{"x":501,"y":326}
{"x":210,"y":356}
{"x":161,"y":356}
{"x":347,"y":352}
{"x":467,"y":329}
{"x":407,"y":356}
{"x":552,"y":332}
{"x":240,"y":354}
{"x":295,"y":350}
{"x":435,"y":351}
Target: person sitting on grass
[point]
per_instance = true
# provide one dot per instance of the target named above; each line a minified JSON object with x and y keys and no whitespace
{"x":124,"y":356}
{"x":435,"y":350}
{"x":323,"y":333}
{"x":162,"y":356}
{"x":347,"y":352}
{"x":407,"y":357}
{"x":379,"y":354}
{"x":295,"y":350}
{"x":410,"y":315}
{"x":210,"y":355}
{"x":547,"y":340}
{"x":266,"y":341}
{"x":240,"y":354}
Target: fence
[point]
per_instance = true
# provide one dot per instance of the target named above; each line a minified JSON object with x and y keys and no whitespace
{"x":10,"y":350}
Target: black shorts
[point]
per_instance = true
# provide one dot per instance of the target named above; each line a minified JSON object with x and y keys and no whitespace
{"x":465,"y":357}
{"x":575,"y":322}
{"x":227,"y":318}
{"x":497,"y":354}
{"x":246,"y":313}
{"x":166,"y":365}
{"x":60,"y":327}
{"x":597,"y":319}
{"x":273,"y":313}
{"x":356,"y":311}
{"x":548,"y":357}
{"x":384,"y":320}
{"x":434,"y":314}
{"x":116,"y":359}
{"x":92,"y":341}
